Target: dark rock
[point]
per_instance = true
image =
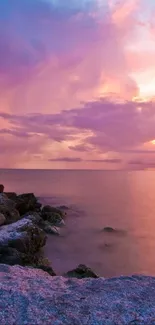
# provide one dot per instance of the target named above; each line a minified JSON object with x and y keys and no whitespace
{"x":53,"y":215}
{"x":10,"y":256}
{"x":49,"y":209}
{"x":4,"y":200}
{"x":109,"y":229}
{"x":47,"y":269}
{"x":1,"y":188}
{"x":11,"y":195}
{"x":27,"y":196}
{"x":46,"y":226}
{"x":26,"y":203}
{"x":82,"y":271}
{"x":24,"y":235}
{"x":2,"y":219}
{"x":10,"y":213}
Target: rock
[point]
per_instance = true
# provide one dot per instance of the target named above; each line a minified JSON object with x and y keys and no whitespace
{"x":47,"y":269}
{"x":11,"y":195}
{"x":32,"y":296}
{"x":109,"y":229}
{"x":82,"y":271}
{"x":24,"y":235}
{"x":10,"y":256}
{"x":53,"y":215}
{"x":1,"y":188}
{"x":4,"y":200}
{"x":10,"y":213}
{"x":49,"y":209}
{"x":2,"y":219}
{"x":50,"y":229}
{"x":27,"y":202}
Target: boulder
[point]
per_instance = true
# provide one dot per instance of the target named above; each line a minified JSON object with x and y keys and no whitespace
{"x":4,"y":200}
{"x":47,"y":269}
{"x":49,"y":209}
{"x":109,"y":229}
{"x":10,"y":256}
{"x":11,"y":195}
{"x":2,"y":219}
{"x":46,"y":226}
{"x":82,"y":271}
{"x":27,"y":202}
{"x":23,"y":235}
{"x":53,"y":215}
{"x":10,"y":213}
{"x":32,"y":296}
{"x":1,"y":188}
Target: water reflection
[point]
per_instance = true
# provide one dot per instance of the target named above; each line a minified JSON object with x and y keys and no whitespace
{"x":122,"y":200}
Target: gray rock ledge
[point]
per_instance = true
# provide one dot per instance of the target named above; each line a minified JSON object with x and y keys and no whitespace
{"x":31,"y":296}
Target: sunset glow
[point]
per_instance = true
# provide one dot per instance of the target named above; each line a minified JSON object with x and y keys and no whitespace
{"x":77,"y":84}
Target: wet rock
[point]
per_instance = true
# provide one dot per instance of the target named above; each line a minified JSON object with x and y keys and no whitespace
{"x":50,"y":229}
{"x":10,"y":256}
{"x":2,"y":219}
{"x":47,"y":269}
{"x":4,"y":200}
{"x":53,"y":215}
{"x":11,"y":195}
{"x":109,"y":229}
{"x":10,"y":213}
{"x":1,"y":188}
{"x":31,"y":296}
{"x":49,"y":209}
{"x":27,"y":202}
{"x":82,"y":271}
{"x":23,"y":235}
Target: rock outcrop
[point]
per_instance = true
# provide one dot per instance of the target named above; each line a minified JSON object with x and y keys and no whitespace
{"x":23,"y":235}
{"x":82,"y":271}
{"x":31,"y":296}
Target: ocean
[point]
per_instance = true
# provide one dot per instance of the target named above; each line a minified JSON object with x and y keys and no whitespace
{"x":96,"y":199}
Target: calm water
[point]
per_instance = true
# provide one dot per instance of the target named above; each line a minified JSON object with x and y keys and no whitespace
{"x":125,"y":200}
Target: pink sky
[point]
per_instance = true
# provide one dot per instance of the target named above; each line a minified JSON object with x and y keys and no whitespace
{"x":77,"y":84}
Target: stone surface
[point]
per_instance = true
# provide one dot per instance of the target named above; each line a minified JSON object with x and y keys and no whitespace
{"x":11,"y":195}
{"x":24,"y":235}
{"x":109,"y":229}
{"x":10,"y":256}
{"x":50,"y":229}
{"x":53,"y":215}
{"x":31,"y":296}
{"x":2,"y":219}
{"x":82,"y":271}
{"x":10,"y":213}
{"x":1,"y":188}
{"x":4,"y":200}
{"x":27,"y":202}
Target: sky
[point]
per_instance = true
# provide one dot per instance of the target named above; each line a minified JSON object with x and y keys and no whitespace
{"x":77,"y":84}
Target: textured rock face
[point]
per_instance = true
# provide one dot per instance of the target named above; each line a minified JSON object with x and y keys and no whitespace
{"x":24,"y":235}
{"x":82,"y":271}
{"x":31,"y":296}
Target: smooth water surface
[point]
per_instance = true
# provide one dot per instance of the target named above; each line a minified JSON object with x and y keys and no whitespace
{"x":123,"y":200}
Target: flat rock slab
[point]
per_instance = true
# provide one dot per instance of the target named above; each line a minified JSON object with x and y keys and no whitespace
{"x":31,"y":296}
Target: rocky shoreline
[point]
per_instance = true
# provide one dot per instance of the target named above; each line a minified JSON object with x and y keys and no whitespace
{"x":32,"y":294}
{"x":24,"y":226}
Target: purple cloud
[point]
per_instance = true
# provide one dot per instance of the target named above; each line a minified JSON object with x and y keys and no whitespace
{"x":66,"y":159}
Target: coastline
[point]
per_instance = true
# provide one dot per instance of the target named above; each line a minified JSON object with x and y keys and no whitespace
{"x":32,"y":293}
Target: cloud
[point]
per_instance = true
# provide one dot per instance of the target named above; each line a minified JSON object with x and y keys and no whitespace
{"x":68,"y":73}
{"x":66,"y":159}
{"x":107,"y":161}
